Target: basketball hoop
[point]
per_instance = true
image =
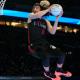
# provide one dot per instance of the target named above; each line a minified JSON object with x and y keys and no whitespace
{"x":2,"y":3}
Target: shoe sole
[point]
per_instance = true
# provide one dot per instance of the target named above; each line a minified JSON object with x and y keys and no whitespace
{"x":49,"y":78}
{"x":68,"y":74}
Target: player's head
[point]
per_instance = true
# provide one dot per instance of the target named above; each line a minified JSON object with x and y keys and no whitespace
{"x":36,"y":8}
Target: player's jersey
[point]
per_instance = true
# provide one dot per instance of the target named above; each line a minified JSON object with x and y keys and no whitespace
{"x":37,"y":31}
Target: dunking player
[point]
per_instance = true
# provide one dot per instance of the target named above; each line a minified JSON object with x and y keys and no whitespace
{"x":38,"y":44}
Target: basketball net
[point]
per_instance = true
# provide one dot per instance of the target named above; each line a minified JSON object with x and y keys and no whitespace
{"x":2,"y":3}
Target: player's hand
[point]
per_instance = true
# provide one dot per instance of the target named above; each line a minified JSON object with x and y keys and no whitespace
{"x":61,"y":13}
{"x":50,"y":6}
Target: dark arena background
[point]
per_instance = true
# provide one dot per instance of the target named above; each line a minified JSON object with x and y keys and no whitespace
{"x":15,"y":61}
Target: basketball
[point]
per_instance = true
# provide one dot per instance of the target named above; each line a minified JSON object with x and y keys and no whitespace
{"x":56,"y":9}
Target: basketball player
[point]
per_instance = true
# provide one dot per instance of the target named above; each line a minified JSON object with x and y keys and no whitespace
{"x":37,"y":40}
